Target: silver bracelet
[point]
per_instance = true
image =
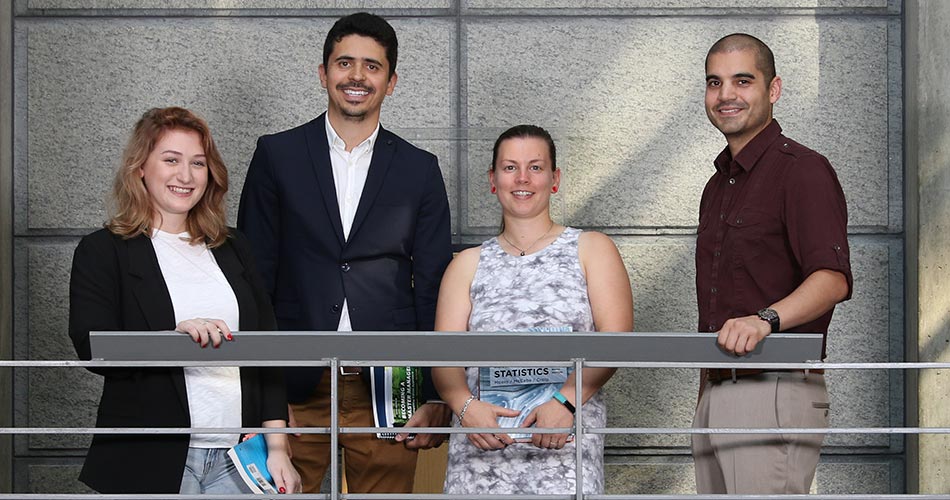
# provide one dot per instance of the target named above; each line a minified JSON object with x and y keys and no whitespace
{"x":465,"y":407}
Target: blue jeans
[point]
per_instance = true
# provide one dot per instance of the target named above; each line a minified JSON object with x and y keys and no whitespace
{"x":211,"y":471}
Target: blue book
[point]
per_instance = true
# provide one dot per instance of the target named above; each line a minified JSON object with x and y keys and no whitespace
{"x":521,"y":388}
{"x":250,"y":458}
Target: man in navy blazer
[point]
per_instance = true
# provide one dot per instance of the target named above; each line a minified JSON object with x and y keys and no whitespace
{"x":350,"y":227}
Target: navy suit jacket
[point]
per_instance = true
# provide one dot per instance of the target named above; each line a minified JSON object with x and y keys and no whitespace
{"x":390,"y":267}
{"x":116,"y":284}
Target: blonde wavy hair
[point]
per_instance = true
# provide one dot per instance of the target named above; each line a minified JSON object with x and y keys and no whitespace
{"x":132,"y":206}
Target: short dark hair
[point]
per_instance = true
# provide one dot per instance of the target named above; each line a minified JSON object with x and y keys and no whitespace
{"x":363,"y":24}
{"x":764,"y":60}
{"x":524,"y":132}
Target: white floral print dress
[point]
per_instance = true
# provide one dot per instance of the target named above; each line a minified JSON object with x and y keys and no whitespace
{"x":544,"y":290}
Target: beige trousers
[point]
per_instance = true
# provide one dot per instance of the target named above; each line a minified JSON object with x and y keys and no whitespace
{"x":738,"y":464}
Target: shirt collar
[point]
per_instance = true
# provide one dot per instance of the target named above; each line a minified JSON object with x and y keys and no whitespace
{"x":752,"y":151}
{"x":334,"y":140}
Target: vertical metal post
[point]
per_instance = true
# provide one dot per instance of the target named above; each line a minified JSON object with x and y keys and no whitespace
{"x":578,"y":428}
{"x":334,"y":430}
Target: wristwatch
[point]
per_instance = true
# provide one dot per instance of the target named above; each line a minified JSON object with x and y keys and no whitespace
{"x":770,"y":316}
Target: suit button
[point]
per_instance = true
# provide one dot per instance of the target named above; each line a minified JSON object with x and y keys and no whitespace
{"x":345,"y":267}
{"x":335,"y":308}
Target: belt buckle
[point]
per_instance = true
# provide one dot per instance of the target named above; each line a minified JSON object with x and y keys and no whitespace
{"x":350,"y":370}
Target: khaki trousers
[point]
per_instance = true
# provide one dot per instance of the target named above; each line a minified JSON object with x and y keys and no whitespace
{"x":738,"y":464}
{"x":372,"y":465}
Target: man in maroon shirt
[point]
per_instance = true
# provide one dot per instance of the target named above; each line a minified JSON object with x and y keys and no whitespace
{"x":771,"y":256}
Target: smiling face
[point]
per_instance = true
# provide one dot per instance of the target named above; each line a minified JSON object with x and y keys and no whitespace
{"x":524,"y":176}
{"x":357,"y":79}
{"x":175,"y":176}
{"x":738,"y":99}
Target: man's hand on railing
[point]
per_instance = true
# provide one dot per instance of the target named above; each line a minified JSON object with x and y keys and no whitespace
{"x":550,"y":415}
{"x":739,"y":336}
{"x":428,"y":415}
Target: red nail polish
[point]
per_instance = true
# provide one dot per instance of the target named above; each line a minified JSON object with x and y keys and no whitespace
{"x":229,"y":337}
{"x":282,"y":490}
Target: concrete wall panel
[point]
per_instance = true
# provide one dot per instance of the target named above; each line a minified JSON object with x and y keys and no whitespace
{"x":636,"y":145}
{"x":87,"y":84}
{"x":619,"y":83}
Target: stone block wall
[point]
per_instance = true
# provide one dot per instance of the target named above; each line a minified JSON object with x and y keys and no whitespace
{"x":619,"y":83}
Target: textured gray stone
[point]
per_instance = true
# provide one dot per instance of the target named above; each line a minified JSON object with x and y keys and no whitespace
{"x":930,"y":144}
{"x":673,"y":4}
{"x":674,"y":476}
{"x":661,"y":476}
{"x":846,"y":476}
{"x":61,"y":396}
{"x":662,"y":273}
{"x":861,"y":332}
{"x":637,"y":147}
{"x":276,"y":5}
{"x":51,"y":478}
{"x":245,"y":76}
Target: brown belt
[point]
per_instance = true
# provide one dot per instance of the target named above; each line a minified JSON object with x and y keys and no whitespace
{"x":720,"y":374}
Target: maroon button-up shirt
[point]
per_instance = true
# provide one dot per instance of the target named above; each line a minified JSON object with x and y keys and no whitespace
{"x":768,"y":218}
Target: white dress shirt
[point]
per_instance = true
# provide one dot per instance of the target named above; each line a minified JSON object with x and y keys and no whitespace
{"x":349,"y":177}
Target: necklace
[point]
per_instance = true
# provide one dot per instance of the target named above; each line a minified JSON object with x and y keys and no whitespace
{"x":524,"y":251}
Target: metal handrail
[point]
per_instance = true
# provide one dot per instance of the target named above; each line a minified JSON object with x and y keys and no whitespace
{"x":334,"y":430}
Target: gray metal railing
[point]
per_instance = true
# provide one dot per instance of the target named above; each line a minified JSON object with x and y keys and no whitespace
{"x":583,"y":349}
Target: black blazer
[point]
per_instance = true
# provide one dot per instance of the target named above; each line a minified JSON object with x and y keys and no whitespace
{"x":390,"y":267}
{"x":116,"y":284}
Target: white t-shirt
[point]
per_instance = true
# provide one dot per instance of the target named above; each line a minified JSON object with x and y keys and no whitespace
{"x":199,"y":289}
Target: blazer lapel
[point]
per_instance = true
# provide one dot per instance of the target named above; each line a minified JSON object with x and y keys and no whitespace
{"x":316,"y":134}
{"x":151,"y":292}
{"x":383,"y":152}
{"x":233,"y":270}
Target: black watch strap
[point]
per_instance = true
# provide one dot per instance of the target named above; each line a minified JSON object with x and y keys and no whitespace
{"x":770,"y":316}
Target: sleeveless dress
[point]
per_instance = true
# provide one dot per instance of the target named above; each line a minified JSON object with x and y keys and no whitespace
{"x":544,"y":290}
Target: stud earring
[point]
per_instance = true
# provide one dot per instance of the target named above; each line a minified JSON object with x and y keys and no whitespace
{"x":493,"y":189}
{"x":554,"y":189}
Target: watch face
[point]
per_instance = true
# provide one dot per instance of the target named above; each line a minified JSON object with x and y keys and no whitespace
{"x":771,"y":316}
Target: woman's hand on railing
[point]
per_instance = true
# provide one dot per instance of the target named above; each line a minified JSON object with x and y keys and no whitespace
{"x":482,"y":414}
{"x":550,"y":415}
{"x":205,"y":330}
